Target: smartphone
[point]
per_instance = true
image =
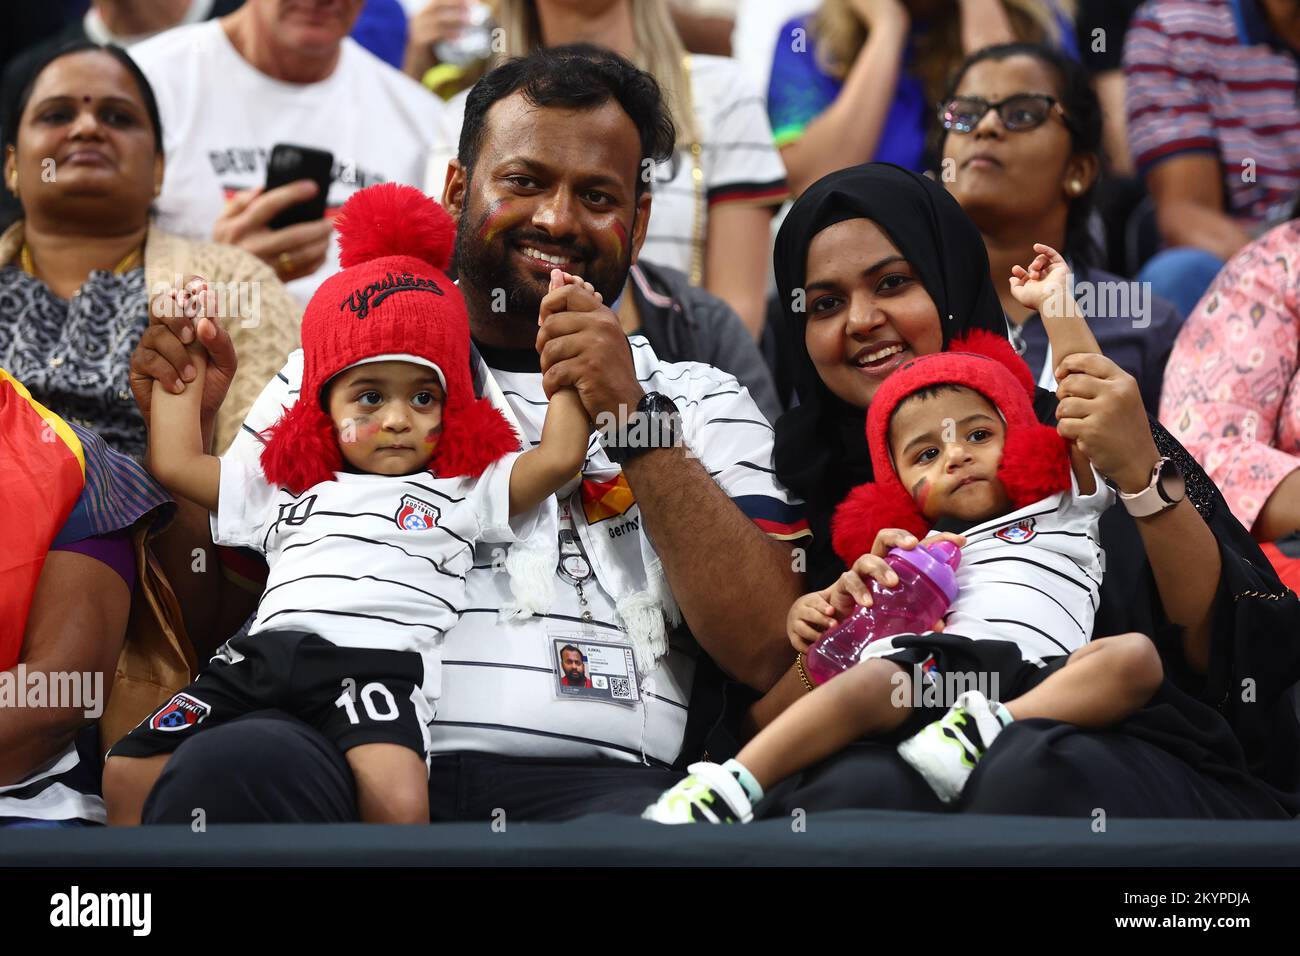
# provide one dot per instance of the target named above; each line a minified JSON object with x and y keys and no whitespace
{"x":289,"y":163}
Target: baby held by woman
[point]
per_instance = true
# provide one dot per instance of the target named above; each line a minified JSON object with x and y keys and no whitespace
{"x":954,"y":437}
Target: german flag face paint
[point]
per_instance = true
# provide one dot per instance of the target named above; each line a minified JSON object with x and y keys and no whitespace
{"x":431,"y":438}
{"x":619,"y":232}
{"x":921,"y":494}
{"x":497,"y":218}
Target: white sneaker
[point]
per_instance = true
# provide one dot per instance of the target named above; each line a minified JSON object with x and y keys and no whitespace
{"x":946,"y":751}
{"x":709,"y":795}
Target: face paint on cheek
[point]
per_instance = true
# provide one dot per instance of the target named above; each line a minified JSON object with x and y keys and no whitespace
{"x":497,"y":217}
{"x":921,"y":494}
{"x":431,"y":438}
{"x":363,"y":428}
{"x":620,"y":239}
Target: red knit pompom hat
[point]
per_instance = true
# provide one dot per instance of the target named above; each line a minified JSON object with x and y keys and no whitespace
{"x":392,"y":298}
{"x":1035,"y":458}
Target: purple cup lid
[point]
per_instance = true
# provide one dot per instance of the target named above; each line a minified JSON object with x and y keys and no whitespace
{"x":937,"y":561}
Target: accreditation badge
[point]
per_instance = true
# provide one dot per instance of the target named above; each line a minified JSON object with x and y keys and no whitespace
{"x":590,"y":668}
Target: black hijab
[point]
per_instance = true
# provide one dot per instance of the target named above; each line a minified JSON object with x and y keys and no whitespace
{"x":821,"y":444}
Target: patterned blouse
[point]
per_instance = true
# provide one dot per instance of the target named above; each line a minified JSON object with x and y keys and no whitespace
{"x":74,"y":355}
{"x":1231,"y":392}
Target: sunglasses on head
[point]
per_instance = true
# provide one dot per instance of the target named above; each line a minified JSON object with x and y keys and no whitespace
{"x":1020,"y":112}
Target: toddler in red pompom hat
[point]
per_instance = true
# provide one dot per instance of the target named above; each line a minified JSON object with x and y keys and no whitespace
{"x":954,"y":437}
{"x":373,"y":489}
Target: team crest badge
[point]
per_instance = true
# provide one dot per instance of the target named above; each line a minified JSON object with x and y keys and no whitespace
{"x":181,"y":713}
{"x":1018,"y":533}
{"x":416,"y":515}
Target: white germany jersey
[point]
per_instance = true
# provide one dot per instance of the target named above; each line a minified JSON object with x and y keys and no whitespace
{"x":365,"y":560}
{"x":498,"y":691}
{"x":1032,"y":576}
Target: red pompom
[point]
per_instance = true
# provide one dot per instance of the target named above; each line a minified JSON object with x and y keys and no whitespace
{"x":390,"y":219}
{"x":867,"y":511}
{"x":302,"y":449}
{"x":473,"y":436}
{"x":996,"y":347}
{"x":1035,"y":464}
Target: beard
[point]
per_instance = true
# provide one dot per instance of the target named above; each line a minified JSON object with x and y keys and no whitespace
{"x":485,"y":267}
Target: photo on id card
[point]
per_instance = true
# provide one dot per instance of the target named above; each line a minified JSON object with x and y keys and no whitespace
{"x":594,"y":670}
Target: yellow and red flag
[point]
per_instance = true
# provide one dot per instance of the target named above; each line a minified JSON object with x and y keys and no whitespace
{"x":606,"y":499}
{"x":42,"y":473}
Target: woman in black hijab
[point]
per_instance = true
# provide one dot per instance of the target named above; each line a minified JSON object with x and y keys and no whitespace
{"x":821,"y":445}
{"x":1177,"y":758}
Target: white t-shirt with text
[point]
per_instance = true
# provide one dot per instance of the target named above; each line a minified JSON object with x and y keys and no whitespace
{"x":221,"y":117}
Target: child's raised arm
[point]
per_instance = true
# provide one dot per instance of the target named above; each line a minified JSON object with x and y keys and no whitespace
{"x":539,"y":473}
{"x":1045,"y":287}
{"x":176,"y":456}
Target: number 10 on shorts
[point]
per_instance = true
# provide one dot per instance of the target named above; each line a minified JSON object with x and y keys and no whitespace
{"x":367,"y":696}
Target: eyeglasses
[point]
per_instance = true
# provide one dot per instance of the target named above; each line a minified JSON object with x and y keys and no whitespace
{"x":1020,"y":112}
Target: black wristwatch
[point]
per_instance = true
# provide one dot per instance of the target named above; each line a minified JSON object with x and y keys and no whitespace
{"x":655,"y":423}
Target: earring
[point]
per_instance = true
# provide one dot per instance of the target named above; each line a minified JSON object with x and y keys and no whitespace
{"x":1076,"y":187}
{"x":13,"y":182}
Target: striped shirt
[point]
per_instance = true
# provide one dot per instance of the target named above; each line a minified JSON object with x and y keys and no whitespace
{"x":1031,"y":577}
{"x":373,"y":561}
{"x":738,"y":160}
{"x":1208,"y":76}
{"x":498,"y":685}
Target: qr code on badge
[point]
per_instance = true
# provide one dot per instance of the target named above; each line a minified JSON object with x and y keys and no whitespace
{"x":619,"y":689}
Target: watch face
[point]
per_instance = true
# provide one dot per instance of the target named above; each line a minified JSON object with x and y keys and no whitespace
{"x":657,"y":403}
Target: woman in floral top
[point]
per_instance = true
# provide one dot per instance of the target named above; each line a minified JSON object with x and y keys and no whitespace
{"x":1231,"y":392}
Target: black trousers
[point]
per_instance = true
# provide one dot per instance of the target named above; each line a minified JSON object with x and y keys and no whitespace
{"x":269,"y":767}
{"x":1036,"y":768}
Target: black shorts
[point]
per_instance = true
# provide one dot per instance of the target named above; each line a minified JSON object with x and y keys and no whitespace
{"x":944,"y":665}
{"x":352,"y":695}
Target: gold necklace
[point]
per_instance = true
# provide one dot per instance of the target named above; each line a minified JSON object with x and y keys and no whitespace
{"x":125,"y":264}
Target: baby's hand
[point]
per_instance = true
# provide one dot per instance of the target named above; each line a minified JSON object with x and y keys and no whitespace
{"x":808,"y":620}
{"x":195,"y":301}
{"x":852,"y":586}
{"x":1044,"y":286}
{"x":560,"y":279}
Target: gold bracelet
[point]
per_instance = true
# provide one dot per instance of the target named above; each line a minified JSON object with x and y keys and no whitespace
{"x":803,"y":674}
